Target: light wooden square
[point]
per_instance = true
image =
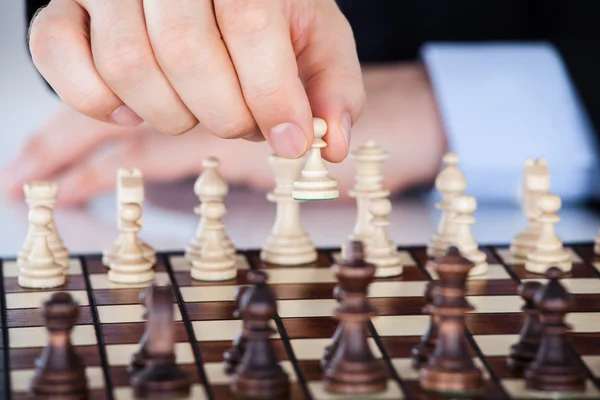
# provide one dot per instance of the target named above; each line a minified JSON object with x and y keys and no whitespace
{"x":208,"y":293}
{"x":495,"y":345}
{"x":397,"y":289}
{"x":36,"y":299}
{"x":495,"y":304}
{"x":508,"y":258}
{"x":392,"y":392}
{"x":576,"y":285}
{"x":100,"y":281}
{"x":10,"y":269}
{"x":120,"y":354}
{"x":220,"y":330}
{"x":127,"y":313}
{"x":495,"y":271}
{"x":306,"y":308}
{"x":126,"y":393}
{"x":283,"y":275}
{"x":38,"y":336}
{"x":584,"y":322}
{"x":313,"y":349}
{"x":405,"y":258}
{"x":517,"y":390}
{"x":179,"y":263}
{"x":21,"y":379}
{"x":401,"y":325}
{"x":593,"y":363}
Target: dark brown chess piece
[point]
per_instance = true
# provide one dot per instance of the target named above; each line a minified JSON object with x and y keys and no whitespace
{"x":233,"y":355}
{"x":524,"y":351}
{"x":161,"y":377}
{"x":258,"y":374}
{"x":353,"y":369}
{"x":555,"y":368}
{"x":422,"y":351}
{"x":450,"y":368}
{"x":59,"y":371}
{"x":139,"y":358}
{"x":335,"y":339}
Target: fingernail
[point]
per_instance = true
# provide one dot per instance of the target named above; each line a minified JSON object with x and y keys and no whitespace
{"x":288,"y":140}
{"x":346,"y":128}
{"x":124,"y":116}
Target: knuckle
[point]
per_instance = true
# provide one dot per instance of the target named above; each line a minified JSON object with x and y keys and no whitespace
{"x":125,"y":58}
{"x":235,"y":128}
{"x":180,"y":46}
{"x":45,"y":32}
{"x":244,"y":17}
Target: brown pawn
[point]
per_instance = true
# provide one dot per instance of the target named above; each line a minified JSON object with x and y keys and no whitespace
{"x":353,"y":369}
{"x":139,"y":358}
{"x":335,"y":339}
{"x":59,"y":371}
{"x":422,"y":351}
{"x":450,"y":368}
{"x":233,"y":355}
{"x":259,"y":375}
{"x":555,"y":368}
{"x":524,"y":351}
{"x":160,"y":377}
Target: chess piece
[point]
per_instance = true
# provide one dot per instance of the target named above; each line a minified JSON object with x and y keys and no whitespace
{"x":233,"y":355}
{"x":422,"y":351}
{"x":161,"y":377}
{"x":463,"y":207}
{"x":258,"y":374}
{"x":450,"y":368}
{"x":59,"y":372}
{"x":139,"y":358}
{"x":315,"y":183}
{"x":130,"y":189}
{"x":353,"y":369}
{"x":44,"y":193}
{"x":450,"y":182}
{"x":369,"y":160}
{"x":524,"y":351}
{"x":209,"y":187}
{"x":130,"y":266}
{"x":288,"y":243}
{"x":536,"y":182}
{"x":380,"y":250}
{"x":554,"y":368}
{"x":213,"y":263}
{"x":549,"y":249}
{"x":39,"y":270}
{"x":335,"y":339}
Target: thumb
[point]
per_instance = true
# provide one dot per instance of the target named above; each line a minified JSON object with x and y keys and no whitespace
{"x":329,"y":66}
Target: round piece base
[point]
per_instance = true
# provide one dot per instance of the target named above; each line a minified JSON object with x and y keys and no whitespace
{"x":282,"y":258}
{"x":131,"y":277}
{"x":540,"y":267}
{"x":213,"y":275}
{"x":354,"y":388}
{"x":479,"y":269}
{"x":50,"y":282}
{"x":463,"y":383}
{"x":388,"y":272}
{"x":272,"y":388}
{"x":315,"y":195}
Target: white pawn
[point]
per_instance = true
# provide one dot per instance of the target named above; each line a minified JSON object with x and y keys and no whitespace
{"x":288,"y":243}
{"x":39,"y":270}
{"x":316,"y":184}
{"x":130,"y":265}
{"x":451,"y":183}
{"x":214,"y":263}
{"x":463,"y":207}
{"x":380,"y":250}
{"x":549,"y":251}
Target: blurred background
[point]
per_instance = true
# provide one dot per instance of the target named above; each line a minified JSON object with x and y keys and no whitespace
{"x":26,"y":104}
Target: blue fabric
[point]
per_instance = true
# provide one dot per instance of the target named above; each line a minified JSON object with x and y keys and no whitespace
{"x":501,"y":103}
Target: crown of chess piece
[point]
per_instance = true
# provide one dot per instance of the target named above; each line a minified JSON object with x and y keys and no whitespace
{"x":287,"y":243}
{"x":549,"y":250}
{"x":422,"y":351}
{"x":450,"y":368}
{"x":140,"y":357}
{"x":160,"y":377}
{"x":555,"y":368}
{"x":450,"y":183}
{"x":315,"y":183}
{"x":352,"y":368}
{"x":258,"y":374}
{"x":524,"y":351}
{"x":233,"y":355}
{"x":380,"y":250}
{"x":130,"y":265}
{"x":536,"y":182}
{"x":59,"y":372}
{"x":335,"y":338}
{"x":40,"y":270}
{"x":463,"y":207}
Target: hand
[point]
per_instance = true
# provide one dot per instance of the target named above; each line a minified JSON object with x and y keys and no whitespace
{"x":257,"y":69}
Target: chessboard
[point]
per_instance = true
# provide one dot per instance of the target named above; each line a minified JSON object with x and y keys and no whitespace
{"x":110,"y":323}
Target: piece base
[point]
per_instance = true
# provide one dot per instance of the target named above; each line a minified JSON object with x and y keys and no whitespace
{"x":457,"y":383}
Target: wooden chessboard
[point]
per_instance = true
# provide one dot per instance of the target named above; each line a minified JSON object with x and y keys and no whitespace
{"x":110,"y":323}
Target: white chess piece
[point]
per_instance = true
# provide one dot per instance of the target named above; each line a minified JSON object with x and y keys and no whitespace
{"x":549,"y":250}
{"x":463,"y":207}
{"x":451,"y":183}
{"x":213,"y":263}
{"x":130,"y":265}
{"x":45,"y":193}
{"x":315,"y":183}
{"x":210,"y":186}
{"x":40,"y":270}
{"x":288,"y":243}
{"x":378,"y":248}
{"x":536,"y":182}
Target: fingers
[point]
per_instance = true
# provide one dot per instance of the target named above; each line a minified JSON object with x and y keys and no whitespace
{"x":125,"y":60}
{"x":258,"y":39}
{"x":189,"y":49}
{"x":331,"y":71}
{"x":60,"y":50}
